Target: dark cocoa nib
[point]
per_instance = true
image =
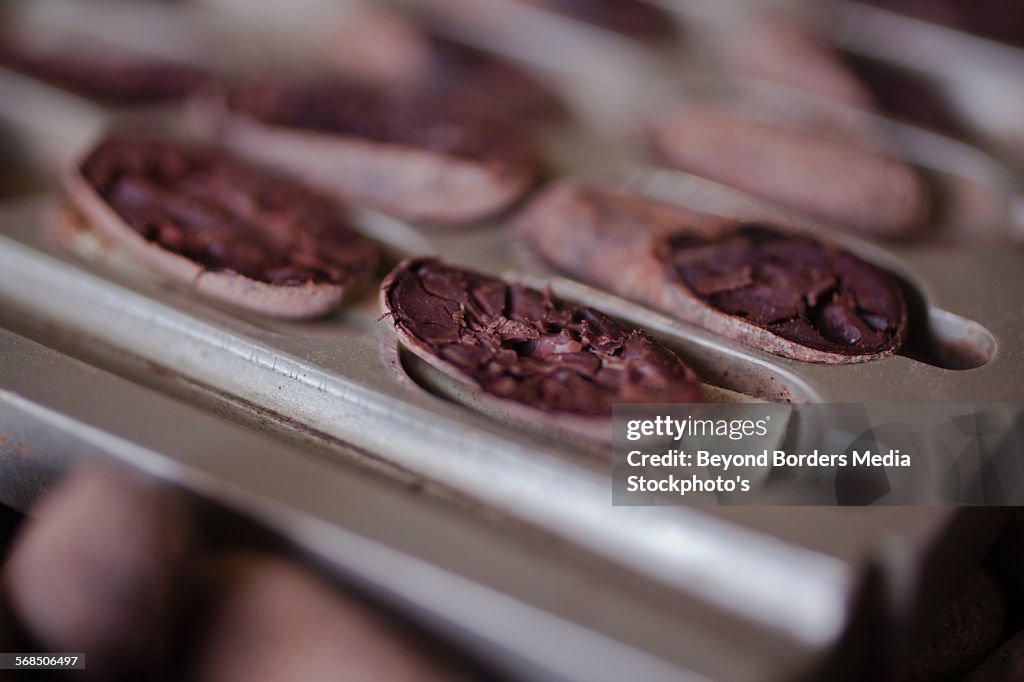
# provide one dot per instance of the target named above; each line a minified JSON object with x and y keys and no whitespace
{"x":795,"y":287}
{"x":631,"y":17}
{"x":527,"y":345}
{"x":384,"y":118}
{"x":117,"y":78}
{"x":226,"y":215}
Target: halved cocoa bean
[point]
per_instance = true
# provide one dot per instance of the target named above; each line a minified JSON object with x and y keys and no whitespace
{"x":1000,"y":20}
{"x":102,"y":73}
{"x":825,"y":175}
{"x":98,"y":570}
{"x":265,"y":619}
{"x":382,"y":48}
{"x":907,"y":96}
{"x":630,"y":17}
{"x":413,"y":158}
{"x":787,"y":294}
{"x":1005,"y":664}
{"x":527,"y":346}
{"x":779,"y":49}
{"x":235,"y":232}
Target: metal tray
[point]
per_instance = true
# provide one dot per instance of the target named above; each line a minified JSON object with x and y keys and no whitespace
{"x":786,"y":594}
{"x":771,"y":576}
{"x":500,"y":592}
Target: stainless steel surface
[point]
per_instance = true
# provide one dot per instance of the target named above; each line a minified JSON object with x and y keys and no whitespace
{"x":334,"y":380}
{"x":464,"y":580}
{"x":344,"y":451}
